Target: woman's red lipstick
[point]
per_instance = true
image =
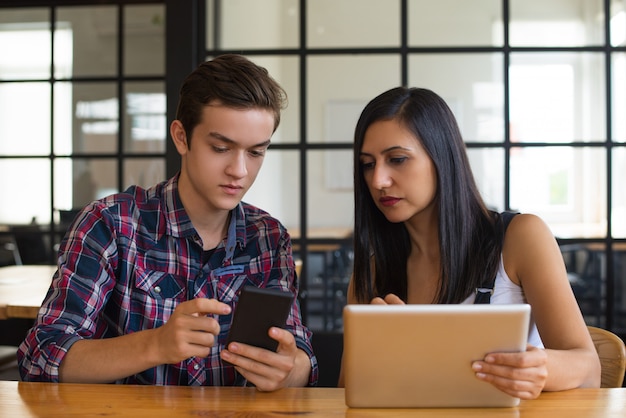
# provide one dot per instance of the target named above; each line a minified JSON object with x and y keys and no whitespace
{"x":388,"y":200}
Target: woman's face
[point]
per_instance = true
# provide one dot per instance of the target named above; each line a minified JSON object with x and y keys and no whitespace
{"x":399,"y":174}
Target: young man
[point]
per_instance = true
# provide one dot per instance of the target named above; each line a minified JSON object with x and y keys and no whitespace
{"x":147,"y":280}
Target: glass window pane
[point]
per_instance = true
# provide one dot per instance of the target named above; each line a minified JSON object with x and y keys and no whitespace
{"x":556,"y":23}
{"x":277,"y":187}
{"x":92,"y":31}
{"x":335,"y":103}
{"x":25,"y":44}
{"x":95,"y":178}
{"x":618,"y":71}
{"x":86,"y":118}
{"x":472,"y":86}
{"x":586,"y":270}
{"x":249,"y":24}
{"x":143,"y":172}
{"x":366,"y":23}
{"x":330,"y":196}
{"x":566,"y":186}
{"x":79,"y":181}
{"x":488,"y":168}
{"x":144,"y":40}
{"x":22,"y":104}
{"x":145,"y":121}
{"x":618,"y":211}
{"x":455,"y":22}
{"x":618,"y":23}
{"x":557,"y":97}
{"x":26,"y":184}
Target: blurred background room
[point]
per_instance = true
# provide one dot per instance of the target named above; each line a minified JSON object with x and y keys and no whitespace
{"x":88,"y":89}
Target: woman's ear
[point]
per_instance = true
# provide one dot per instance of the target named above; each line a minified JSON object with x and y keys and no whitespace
{"x":179,"y":136}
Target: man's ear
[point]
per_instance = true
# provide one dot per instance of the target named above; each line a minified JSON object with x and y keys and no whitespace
{"x":179,"y":136}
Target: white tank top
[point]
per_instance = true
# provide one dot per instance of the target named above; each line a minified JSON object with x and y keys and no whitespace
{"x":506,"y":292}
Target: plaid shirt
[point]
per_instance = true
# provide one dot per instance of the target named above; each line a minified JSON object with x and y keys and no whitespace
{"x":131,"y":258}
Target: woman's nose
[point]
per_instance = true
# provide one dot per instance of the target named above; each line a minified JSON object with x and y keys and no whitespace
{"x":381,"y":177}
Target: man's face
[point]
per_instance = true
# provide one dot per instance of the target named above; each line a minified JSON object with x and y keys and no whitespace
{"x":224,"y":157}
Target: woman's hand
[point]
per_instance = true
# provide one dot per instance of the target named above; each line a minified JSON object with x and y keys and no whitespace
{"x":522,"y":375}
{"x":389,"y":299}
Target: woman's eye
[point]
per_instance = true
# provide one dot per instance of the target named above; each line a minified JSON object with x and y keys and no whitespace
{"x":367,"y":165}
{"x":397,"y":160}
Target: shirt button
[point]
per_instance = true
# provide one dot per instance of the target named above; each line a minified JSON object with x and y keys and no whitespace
{"x":196,"y":366}
{"x":157,"y":289}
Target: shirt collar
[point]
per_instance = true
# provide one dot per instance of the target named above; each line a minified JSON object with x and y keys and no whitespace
{"x":179,"y":225}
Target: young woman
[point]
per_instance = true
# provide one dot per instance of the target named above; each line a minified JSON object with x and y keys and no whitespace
{"x":424,"y":235}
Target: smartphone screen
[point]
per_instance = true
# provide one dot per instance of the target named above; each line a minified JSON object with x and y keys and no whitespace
{"x":257,"y":311}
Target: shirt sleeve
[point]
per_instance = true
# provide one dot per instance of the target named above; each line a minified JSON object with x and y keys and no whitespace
{"x":79,"y":291}
{"x":289,"y":280}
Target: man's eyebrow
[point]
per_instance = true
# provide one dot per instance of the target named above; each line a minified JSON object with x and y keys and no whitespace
{"x":226,"y":139}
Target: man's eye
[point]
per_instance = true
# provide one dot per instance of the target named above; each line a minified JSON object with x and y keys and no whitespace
{"x":220,"y":149}
{"x":257,"y":153}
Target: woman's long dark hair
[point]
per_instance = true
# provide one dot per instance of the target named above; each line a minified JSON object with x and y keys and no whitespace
{"x":469,"y":238}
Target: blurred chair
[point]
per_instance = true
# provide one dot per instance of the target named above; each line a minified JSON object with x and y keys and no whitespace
{"x":8,"y":363}
{"x":9,"y":254}
{"x":612,"y":353}
{"x":31,"y":244}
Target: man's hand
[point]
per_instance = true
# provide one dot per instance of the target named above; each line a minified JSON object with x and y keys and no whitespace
{"x":191,"y":331}
{"x":268,"y":370}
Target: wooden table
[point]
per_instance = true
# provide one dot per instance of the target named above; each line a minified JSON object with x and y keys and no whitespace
{"x":47,"y":400}
{"x":22,"y":289}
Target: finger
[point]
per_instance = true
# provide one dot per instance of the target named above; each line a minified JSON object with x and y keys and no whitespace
{"x":378,"y":301}
{"x":392,"y":299}
{"x":518,"y":388}
{"x":185,"y":336}
{"x":286,"y":340}
{"x":265,"y":369}
{"x":522,"y":382}
{"x":206,"y":324}
{"x":534,"y":357}
{"x":203,"y":306}
{"x":526,"y":392}
{"x":262,"y":362}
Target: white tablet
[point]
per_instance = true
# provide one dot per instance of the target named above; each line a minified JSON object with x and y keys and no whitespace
{"x":413,"y":356}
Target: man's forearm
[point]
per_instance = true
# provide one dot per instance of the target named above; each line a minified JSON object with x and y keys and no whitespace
{"x":108,"y":360}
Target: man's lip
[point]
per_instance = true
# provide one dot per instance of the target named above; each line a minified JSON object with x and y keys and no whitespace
{"x":231,"y":188}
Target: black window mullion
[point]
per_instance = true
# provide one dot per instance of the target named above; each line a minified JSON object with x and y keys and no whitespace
{"x":610,"y":271}
{"x":120,"y":97}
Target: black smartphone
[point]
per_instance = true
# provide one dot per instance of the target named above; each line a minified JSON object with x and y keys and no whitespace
{"x":257,"y":311}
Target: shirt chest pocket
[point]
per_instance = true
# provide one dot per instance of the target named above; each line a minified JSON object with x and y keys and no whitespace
{"x":160,"y":285}
{"x":154,"y":298}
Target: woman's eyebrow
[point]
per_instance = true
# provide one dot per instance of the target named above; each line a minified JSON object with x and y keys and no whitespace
{"x":387,"y":150}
